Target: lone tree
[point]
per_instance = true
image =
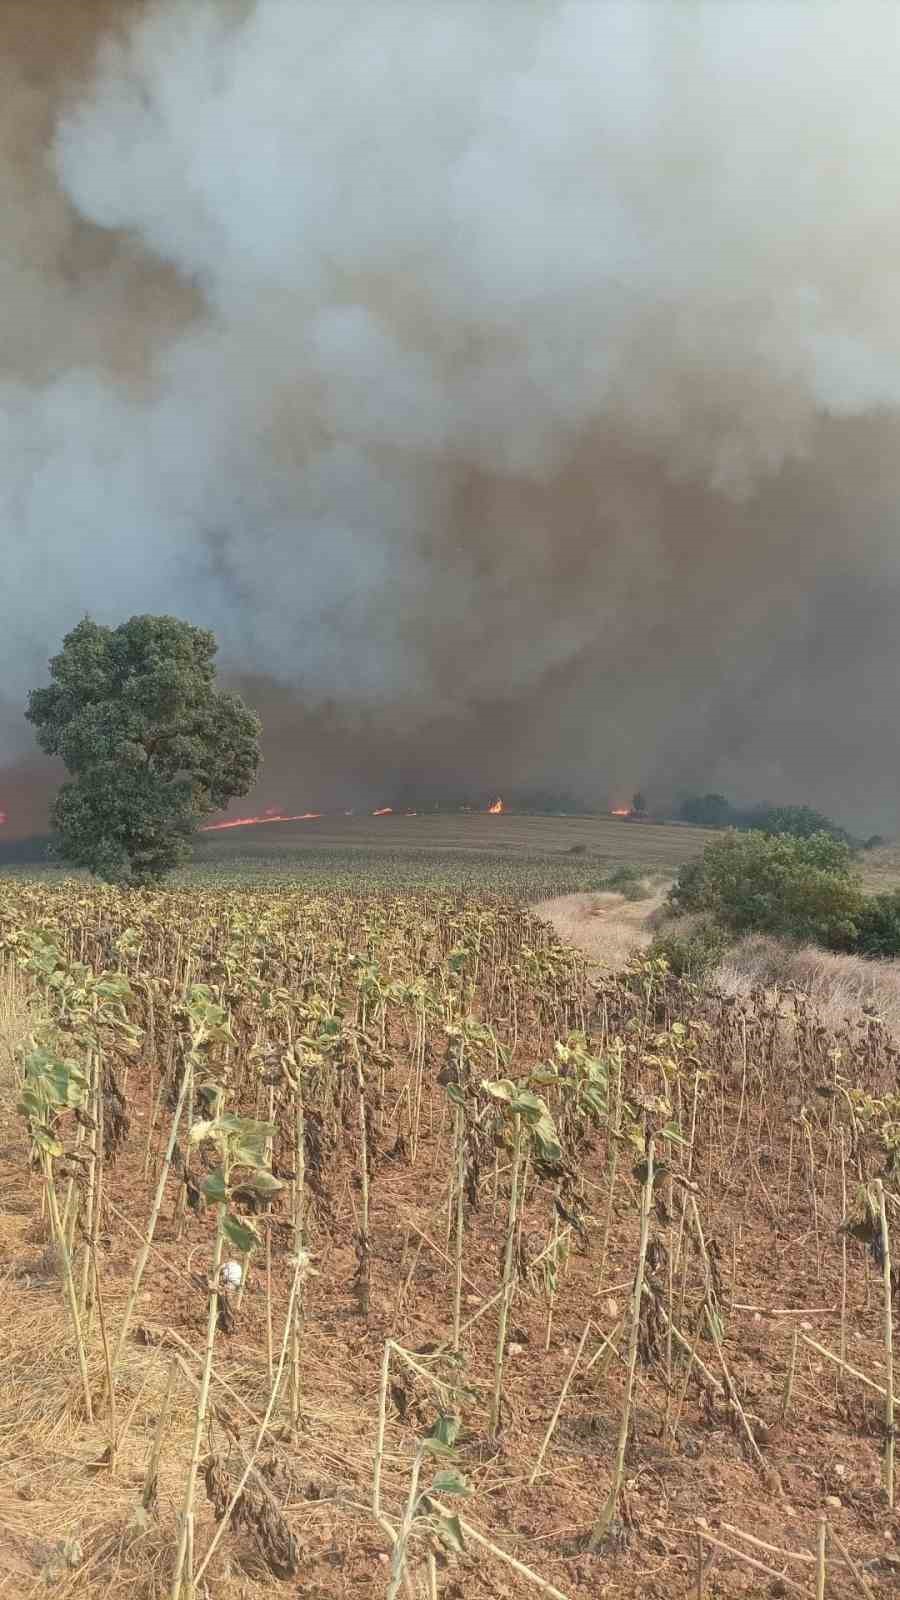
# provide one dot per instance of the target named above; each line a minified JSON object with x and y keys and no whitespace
{"x":151,"y":744}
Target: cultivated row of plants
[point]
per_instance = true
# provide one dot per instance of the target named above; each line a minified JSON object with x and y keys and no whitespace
{"x":294,"y":1051}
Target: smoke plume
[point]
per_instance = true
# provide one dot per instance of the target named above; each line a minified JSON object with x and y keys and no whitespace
{"x":515,"y":389}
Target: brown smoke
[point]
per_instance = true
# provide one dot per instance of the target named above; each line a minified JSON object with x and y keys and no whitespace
{"x":514,"y":389}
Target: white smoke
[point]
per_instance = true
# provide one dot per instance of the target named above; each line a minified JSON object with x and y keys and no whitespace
{"x":538,"y":350}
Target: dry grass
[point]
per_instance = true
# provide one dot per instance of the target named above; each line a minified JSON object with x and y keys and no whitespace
{"x":840,"y":985}
{"x":67,"y":1520}
{"x":610,"y":929}
{"x":606,"y":926}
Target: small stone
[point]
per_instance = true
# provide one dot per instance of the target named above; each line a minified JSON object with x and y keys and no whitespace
{"x":612,"y":1307}
{"x":840,"y":1471}
{"x":701,"y":1522}
{"x":832,"y":1500}
{"x":789,"y":1511}
{"x":516,"y":1349}
{"x":473,"y":1299}
{"x":806,"y":1326}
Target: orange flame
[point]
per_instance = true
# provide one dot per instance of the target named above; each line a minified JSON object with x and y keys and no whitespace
{"x":253,"y":822}
{"x":384,"y":811}
{"x":496,"y":808}
{"x":621,"y":811}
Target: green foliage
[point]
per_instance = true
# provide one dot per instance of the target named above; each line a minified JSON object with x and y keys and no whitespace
{"x":798,"y":888}
{"x":691,"y":950}
{"x":241,"y":1142}
{"x":151,"y":745}
{"x":523,"y":1105}
{"x":626,"y":880}
{"x":801,"y":822}
{"x":706,"y":810}
{"x":878,"y":925}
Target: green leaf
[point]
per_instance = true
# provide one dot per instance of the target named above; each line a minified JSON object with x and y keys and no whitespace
{"x":499,"y":1089}
{"x":450,"y":1482}
{"x":449,"y":1530}
{"x":242,"y":1234}
{"x":434,"y":1446}
{"x":262,"y":1183}
{"x":595,"y":1099}
{"x":247,"y":1139}
{"x":545,"y":1137}
{"x":214,"y":1188}
{"x":445,"y":1429}
{"x":45,"y":1141}
{"x":454,"y":1093}
{"x":528,"y":1106}
{"x":113,"y":986}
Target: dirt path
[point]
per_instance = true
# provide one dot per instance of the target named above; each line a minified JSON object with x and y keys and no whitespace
{"x":606,"y":926}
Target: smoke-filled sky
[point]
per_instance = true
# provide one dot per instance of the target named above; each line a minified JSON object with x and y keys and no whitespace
{"x":514,"y":388}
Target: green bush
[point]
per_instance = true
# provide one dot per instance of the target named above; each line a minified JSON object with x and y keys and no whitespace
{"x":798,"y":888}
{"x":801,"y":822}
{"x":627,"y":881}
{"x":691,"y":948}
{"x":706,"y":810}
{"x":878,"y":925}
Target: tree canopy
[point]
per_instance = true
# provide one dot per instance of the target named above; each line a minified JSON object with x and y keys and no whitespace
{"x":151,"y":745}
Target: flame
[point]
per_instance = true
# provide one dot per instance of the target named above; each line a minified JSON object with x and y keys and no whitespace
{"x":253,"y":822}
{"x":273,"y":814}
{"x":620,"y":811}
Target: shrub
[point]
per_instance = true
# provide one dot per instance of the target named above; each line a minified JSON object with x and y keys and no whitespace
{"x":691,"y":948}
{"x":706,"y":810}
{"x":878,"y":925}
{"x":799,"y":888}
{"x":628,"y":881}
{"x":801,"y":822}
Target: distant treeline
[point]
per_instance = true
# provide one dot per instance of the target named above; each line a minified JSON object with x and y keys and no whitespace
{"x":801,"y":822}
